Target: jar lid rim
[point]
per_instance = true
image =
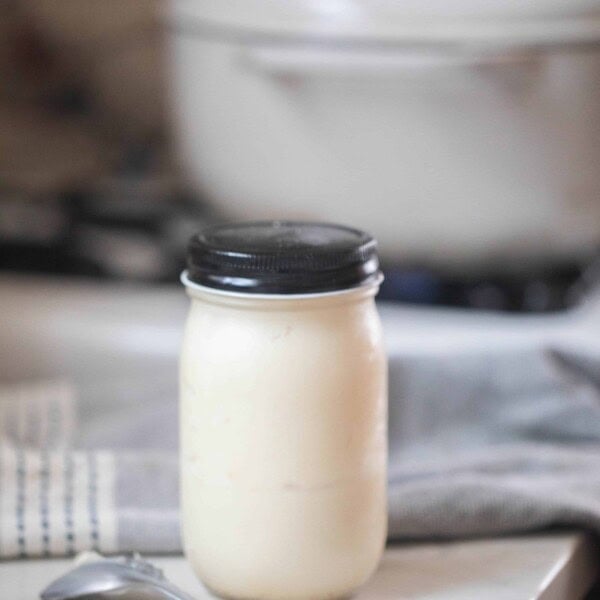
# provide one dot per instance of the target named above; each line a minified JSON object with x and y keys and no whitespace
{"x":197,"y":287}
{"x":282,"y":257}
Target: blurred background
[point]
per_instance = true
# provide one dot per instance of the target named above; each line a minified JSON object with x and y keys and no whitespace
{"x":466,"y":138}
{"x":464,"y":135}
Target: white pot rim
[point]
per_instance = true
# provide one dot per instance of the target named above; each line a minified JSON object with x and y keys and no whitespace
{"x":482,"y":22}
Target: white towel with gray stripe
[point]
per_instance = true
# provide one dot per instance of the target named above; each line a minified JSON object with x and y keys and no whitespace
{"x":55,"y":499}
{"x":483,"y":440}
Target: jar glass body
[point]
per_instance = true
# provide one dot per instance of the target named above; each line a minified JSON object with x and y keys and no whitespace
{"x":283,"y":419}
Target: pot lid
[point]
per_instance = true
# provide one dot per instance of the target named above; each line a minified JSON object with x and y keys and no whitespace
{"x":529,"y":22}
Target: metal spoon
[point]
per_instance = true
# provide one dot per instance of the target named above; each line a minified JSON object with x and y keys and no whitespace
{"x":125,"y":578}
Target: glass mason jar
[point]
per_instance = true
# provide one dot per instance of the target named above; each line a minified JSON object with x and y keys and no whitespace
{"x":283,"y":411}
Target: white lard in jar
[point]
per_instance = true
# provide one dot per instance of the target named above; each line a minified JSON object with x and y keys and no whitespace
{"x":283,"y":411}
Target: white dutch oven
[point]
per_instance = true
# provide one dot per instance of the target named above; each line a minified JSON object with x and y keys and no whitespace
{"x":457,"y":133}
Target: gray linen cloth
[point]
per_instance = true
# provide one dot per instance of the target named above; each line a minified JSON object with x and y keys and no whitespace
{"x":488,"y":435}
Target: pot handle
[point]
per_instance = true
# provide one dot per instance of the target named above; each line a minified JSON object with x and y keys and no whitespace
{"x":303,"y":61}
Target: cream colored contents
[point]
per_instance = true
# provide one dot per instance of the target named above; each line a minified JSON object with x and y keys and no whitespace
{"x":283,"y":432}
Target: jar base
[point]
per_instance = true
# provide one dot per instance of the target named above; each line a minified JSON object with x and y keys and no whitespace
{"x":224,"y":596}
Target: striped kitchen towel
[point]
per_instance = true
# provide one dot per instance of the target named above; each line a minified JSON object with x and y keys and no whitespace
{"x":54,"y":499}
{"x":75,"y":473}
{"x":485,"y":442}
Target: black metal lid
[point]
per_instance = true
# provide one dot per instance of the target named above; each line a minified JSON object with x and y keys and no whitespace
{"x":282,"y":257}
